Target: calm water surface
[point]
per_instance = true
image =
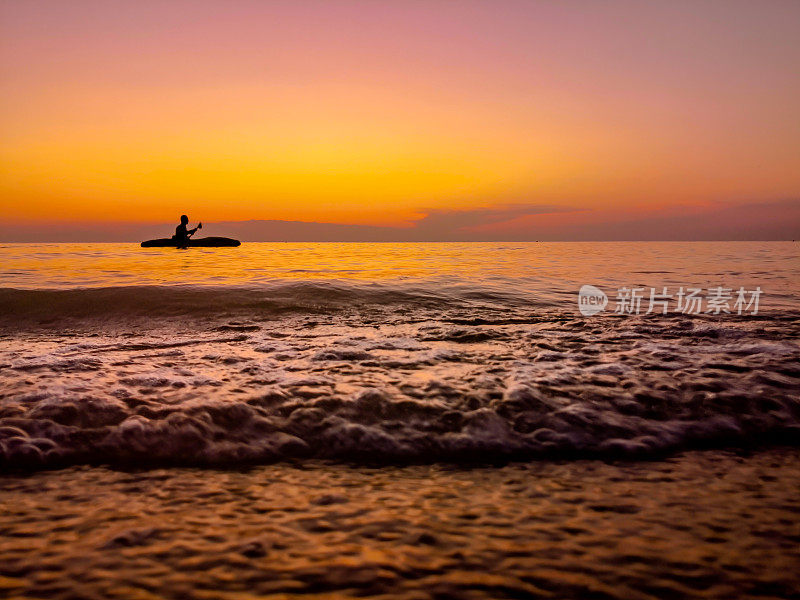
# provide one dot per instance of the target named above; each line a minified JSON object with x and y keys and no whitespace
{"x":547,"y":273}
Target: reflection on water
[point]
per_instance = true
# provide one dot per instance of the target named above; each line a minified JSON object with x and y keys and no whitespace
{"x":709,"y":525}
{"x":545,"y":271}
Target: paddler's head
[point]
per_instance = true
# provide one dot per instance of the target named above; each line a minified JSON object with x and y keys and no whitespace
{"x":184,"y":219}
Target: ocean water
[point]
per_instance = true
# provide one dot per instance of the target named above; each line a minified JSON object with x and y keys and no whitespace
{"x":702,"y":525}
{"x":390,"y":352}
{"x":398,"y":421}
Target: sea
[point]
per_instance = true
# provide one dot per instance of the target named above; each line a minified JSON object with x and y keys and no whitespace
{"x":400,"y":420}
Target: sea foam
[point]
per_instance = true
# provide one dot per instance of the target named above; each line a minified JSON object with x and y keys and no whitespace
{"x":390,"y":383}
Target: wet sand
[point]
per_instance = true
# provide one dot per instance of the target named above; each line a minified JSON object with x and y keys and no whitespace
{"x":702,"y":524}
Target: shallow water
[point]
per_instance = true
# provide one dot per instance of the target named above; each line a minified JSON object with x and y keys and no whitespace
{"x":455,"y":385}
{"x":706,"y":525}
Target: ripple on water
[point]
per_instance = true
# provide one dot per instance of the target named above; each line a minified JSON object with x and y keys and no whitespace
{"x":711,"y":525}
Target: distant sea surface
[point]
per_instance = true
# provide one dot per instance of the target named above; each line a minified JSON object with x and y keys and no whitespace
{"x":398,"y":420}
{"x":535,"y":274}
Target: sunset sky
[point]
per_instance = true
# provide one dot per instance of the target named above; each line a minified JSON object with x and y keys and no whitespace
{"x":507,"y":119}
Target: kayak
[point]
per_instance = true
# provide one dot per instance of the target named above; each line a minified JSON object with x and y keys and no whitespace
{"x":207,"y":242}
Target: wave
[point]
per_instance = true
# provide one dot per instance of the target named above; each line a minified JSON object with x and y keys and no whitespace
{"x":477,"y":378}
{"x":524,"y":423}
{"x":277,"y":298}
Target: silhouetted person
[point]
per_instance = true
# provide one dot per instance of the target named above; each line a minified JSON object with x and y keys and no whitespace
{"x":182,"y":234}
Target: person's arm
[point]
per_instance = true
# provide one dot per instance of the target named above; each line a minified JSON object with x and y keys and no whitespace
{"x":193,"y":231}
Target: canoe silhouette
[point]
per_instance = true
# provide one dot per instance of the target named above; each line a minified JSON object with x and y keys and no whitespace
{"x":206,"y":242}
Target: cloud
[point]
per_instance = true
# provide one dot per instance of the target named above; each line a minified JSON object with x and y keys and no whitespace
{"x":464,"y":223}
{"x":768,"y":220}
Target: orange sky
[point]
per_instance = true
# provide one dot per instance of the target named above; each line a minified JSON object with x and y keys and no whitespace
{"x":380,"y":113}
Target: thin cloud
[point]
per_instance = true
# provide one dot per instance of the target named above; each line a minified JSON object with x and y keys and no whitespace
{"x":768,"y":220}
{"x":463,"y":220}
